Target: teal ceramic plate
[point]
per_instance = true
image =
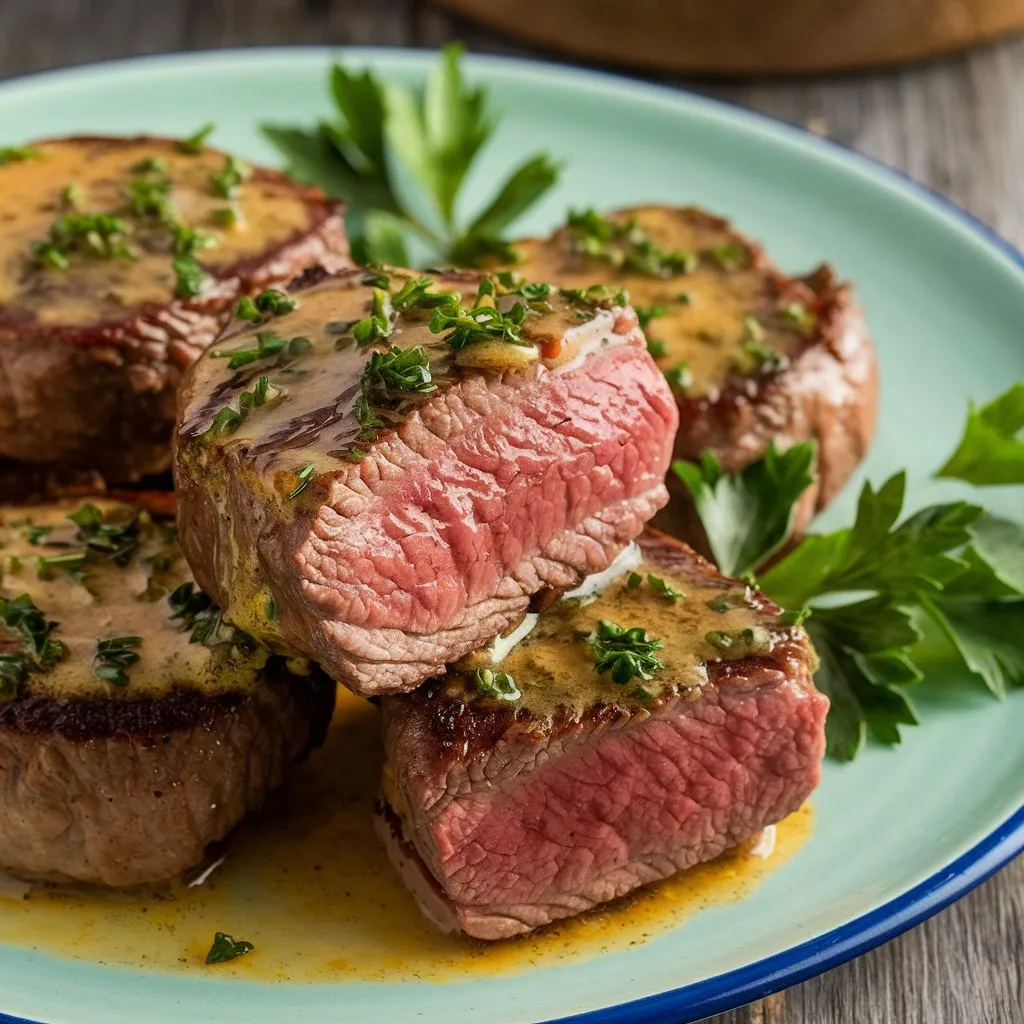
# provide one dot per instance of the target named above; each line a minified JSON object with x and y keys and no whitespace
{"x":897,"y":834}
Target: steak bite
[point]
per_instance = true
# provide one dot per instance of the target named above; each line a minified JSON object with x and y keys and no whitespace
{"x":626,"y":738}
{"x":135,"y":726}
{"x":752,"y":354}
{"x":121,"y":259}
{"x":381,"y":480}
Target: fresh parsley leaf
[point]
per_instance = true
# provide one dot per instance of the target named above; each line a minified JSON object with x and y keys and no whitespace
{"x":496,"y":685}
{"x":988,"y":637}
{"x":194,"y":143}
{"x":114,"y":536}
{"x":992,"y":448}
{"x":679,"y":377}
{"x":22,"y":618}
{"x":381,"y":321}
{"x":625,"y":245}
{"x":204,"y":619}
{"x":625,"y":653}
{"x":225,"y":949}
{"x":114,"y":657}
{"x":18,"y":154}
{"x":748,"y":516}
{"x":304,"y":475}
{"x":999,"y":543}
{"x":395,"y":154}
{"x":663,"y":587}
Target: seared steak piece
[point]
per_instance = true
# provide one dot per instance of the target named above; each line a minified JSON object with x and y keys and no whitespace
{"x":385,"y":498}
{"x":116,"y":771}
{"x":539,"y":788}
{"x":753,"y":355}
{"x":121,"y":260}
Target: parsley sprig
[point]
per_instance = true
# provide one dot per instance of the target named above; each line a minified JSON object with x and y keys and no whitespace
{"x":114,"y":657}
{"x":625,"y":654}
{"x":400,"y":156}
{"x":34,"y":632}
{"x":878,"y":595}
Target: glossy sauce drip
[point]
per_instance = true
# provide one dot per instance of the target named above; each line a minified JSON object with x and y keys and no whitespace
{"x":311,"y":416}
{"x":554,"y":665}
{"x":112,"y":601}
{"x":310,"y":886}
{"x":270,"y":211}
{"x":703,"y":324}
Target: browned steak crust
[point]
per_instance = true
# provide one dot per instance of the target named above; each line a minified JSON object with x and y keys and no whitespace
{"x":133,"y":792}
{"x":720,"y":317}
{"x":94,"y":384}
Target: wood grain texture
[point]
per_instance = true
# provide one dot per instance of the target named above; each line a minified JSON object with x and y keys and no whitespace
{"x":957,"y":125}
{"x":749,"y":36}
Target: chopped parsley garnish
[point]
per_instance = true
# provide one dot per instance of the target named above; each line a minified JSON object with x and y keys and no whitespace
{"x":35,"y":534}
{"x":71,"y":196}
{"x":204,"y":619}
{"x":496,"y":685}
{"x":225,"y":949}
{"x":417,"y":293}
{"x":679,"y":377}
{"x":225,"y":217}
{"x":399,"y":371}
{"x":270,"y":302}
{"x":228,"y":420}
{"x":753,"y":332}
{"x":601,"y":295}
{"x":645,"y":314}
{"x":381,"y":321}
{"x":795,"y":616}
{"x":799,"y":314}
{"x":150,"y":165}
{"x":664,"y":588}
{"x":746,"y":640}
{"x":764,"y":357}
{"x":482,"y":323}
{"x":116,"y":539}
{"x":625,"y":245}
{"x":729,"y":255}
{"x":48,"y":565}
{"x":386,"y":132}
{"x":101,"y":235}
{"x":114,"y":657}
{"x":684,"y":298}
{"x":194,"y":143}
{"x":657,"y":348}
{"x":303,"y":475}
{"x":268,"y":345}
{"x":18,"y":154}
{"x":633,"y":580}
{"x":41,"y":652}
{"x":151,"y":197}
{"x":225,"y":183}
{"x":624,"y":653}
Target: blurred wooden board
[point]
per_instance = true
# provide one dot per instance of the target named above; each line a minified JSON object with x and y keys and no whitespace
{"x":727,"y":37}
{"x":957,"y":125}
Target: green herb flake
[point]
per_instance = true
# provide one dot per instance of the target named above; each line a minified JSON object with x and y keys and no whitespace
{"x":24,"y":619}
{"x":47,"y":566}
{"x":303,"y":475}
{"x":729,"y":256}
{"x":657,"y":348}
{"x":664,"y":588}
{"x":379,"y":324}
{"x":624,"y":653}
{"x":19,"y":154}
{"x":99,"y":235}
{"x":633,"y":580}
{"x":225,"y":217}
{"x":194,"y":143}
{"x":679,"y":377}
{"x":799,"y":314}
{"x":116,"y":538}
{"x":268,"y":344}
{"x":188,"y":277}
{"x":496,"y":685}
{"x":225,"y":949}
{"x":625,"y":245}
{"x":795,"y":616}
{"x":645,"y":314}
{"x":226,"y":182}
{"x":114,"y":657}
{"x":71,"y":196}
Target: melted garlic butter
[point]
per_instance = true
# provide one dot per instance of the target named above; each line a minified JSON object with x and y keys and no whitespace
{"x":96,"y":289}
{"x":114,"y":601}
{"x":310,"y":415}
{"x":553,"y":664}
{"x":705,"y":329}
{"x":309,"y":885}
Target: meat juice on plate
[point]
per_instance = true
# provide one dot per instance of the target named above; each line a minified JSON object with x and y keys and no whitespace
{"x":308,"y":884}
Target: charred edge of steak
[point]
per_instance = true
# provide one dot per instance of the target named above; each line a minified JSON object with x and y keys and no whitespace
{"x":466,"y":730}
{"x":183,"y":709}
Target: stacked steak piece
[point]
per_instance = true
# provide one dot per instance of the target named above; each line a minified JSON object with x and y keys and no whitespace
{"x":392,"y":478}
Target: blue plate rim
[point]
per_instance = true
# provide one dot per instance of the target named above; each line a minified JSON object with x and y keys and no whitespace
{"x":734,"y":988}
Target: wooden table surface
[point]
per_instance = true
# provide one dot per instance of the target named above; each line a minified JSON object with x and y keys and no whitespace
{"x":956,"y":124}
